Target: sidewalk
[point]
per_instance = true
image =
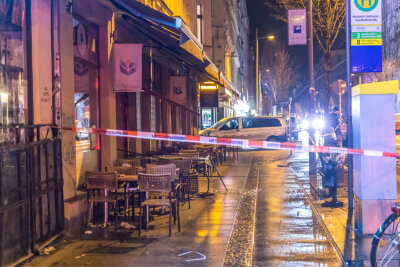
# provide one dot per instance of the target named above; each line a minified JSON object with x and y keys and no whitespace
{"x":205,"y":232}
{"x":288,"y":232}
{"x":352,"y":247}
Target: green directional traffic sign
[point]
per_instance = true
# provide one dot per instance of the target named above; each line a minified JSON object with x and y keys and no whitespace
{"x":366,"y":35}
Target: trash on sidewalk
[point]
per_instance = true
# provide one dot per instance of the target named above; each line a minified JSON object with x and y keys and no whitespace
{"x":88,"y":232}
{"x":126,"y":225}
{"x":48,"y":250}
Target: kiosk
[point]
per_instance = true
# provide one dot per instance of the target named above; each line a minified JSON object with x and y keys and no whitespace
{"x":375,"y":184}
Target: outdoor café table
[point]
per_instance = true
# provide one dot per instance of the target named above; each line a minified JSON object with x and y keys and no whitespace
{"x":127,"y":178}
{"x":120,"y":178}
{"x":209,"y":164}
{"x":173,"y":157}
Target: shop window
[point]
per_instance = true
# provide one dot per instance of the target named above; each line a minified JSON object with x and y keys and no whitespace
{"x":85,"y":77}
{"x":13,"y":81}
{"x":82,"y":113}
{"x":200,"y":23}
{"x":206,"y":117}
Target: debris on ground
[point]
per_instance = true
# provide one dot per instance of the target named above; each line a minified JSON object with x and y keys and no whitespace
{"x":48,"y":250}
{"x":126,"y":225}
{"x":88,"y":232}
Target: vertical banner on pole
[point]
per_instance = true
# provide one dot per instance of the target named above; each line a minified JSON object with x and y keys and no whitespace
{"x":297,"y":26}
{"x":366,"y":36}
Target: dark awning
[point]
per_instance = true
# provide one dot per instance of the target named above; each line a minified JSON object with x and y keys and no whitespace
{"x":140,"y":10}
{"x":164,"y":23}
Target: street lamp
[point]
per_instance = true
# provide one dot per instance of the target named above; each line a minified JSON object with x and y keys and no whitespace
{"x":258,"y":89}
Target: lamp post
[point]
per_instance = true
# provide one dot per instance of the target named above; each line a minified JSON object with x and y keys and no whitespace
{"x":258,"y":87}
{"x":312,"y":156}
{"x":257,"y":75}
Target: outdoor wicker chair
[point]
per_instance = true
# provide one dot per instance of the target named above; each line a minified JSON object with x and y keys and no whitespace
{"x":132,"y":162}
{"x":124,"y":170}
{"x":159,"y":183}
{"x":186,"y":177}
{"x":101,"y":188}
{"x":162,"y":169}
{"x":135,"y":163}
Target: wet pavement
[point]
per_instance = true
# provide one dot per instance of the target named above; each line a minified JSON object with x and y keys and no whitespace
{"x":205,"y":232}
{"x":287,"y":231}
{"x":353,"y":247}
{"x":264,"y":220}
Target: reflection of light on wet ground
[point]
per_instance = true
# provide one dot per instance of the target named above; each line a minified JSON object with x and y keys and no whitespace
{"x":303,"y":137}
{"x":82,"y":146}
{"x":287,"y":233}
{"x":214,"y":217}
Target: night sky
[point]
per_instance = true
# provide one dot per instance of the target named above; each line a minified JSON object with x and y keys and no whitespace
{"x":261,"y":16}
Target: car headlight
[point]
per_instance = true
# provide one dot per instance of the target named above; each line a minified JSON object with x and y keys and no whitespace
{"x":318,"y":124}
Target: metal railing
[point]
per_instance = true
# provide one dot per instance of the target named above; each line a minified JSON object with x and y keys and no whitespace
{"x":31,"y":189}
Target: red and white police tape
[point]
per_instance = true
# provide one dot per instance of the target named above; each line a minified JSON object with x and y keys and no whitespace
{"x":243,"y":143}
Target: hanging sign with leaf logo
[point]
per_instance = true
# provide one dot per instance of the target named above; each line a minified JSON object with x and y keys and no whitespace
{"x":178,"y":89}
{"x":128,"y":67}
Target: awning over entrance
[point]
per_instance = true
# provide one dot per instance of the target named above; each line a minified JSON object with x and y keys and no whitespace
{"x":161,"y":23}
{"x":173,"y":34}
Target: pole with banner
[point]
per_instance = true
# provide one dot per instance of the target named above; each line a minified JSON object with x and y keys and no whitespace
{"x":297,"y":30}
{"x":297,"y":25}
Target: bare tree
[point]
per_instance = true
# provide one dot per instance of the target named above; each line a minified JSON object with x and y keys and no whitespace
{"x":328,"y":20}
{"x":279,"y":76}
{"x":389,"y":71}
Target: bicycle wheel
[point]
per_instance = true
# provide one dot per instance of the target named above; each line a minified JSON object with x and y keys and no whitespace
{"x":385,"y":250}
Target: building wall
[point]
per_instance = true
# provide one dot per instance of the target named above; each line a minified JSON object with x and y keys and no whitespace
{"x":67,"y":101}
{"x":41,"y":61}
{"x":230,"y":42}
{"x":207,"y":26}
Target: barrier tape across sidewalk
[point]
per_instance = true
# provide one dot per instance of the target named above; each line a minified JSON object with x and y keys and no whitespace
{"x":243,"y":143}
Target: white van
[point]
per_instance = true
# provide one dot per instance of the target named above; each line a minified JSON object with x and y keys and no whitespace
{"x":266,"y":128}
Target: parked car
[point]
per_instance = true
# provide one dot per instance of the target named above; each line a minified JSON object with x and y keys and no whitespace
{"x":266,"y":128}
{"x":81,"y":135}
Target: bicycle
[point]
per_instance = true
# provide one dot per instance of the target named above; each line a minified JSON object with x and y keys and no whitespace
{"x":385,"y":250}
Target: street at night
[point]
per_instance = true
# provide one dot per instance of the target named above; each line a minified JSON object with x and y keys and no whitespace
{"x":199,"y":133}
{"x":286,"y":232}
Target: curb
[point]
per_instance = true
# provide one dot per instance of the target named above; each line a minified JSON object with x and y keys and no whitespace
{"x":320,"y":220}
